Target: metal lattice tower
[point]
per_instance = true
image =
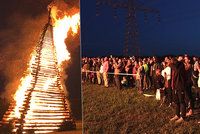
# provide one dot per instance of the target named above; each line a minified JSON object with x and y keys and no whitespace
{"x":131,"y":43}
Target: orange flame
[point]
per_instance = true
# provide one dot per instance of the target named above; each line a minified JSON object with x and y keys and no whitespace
{"x":61,"y":27}
{"x":60,"y":31}
{"x":20,"y":94}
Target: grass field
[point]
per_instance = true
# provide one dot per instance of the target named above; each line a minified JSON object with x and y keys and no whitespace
{"x":112,"y":111}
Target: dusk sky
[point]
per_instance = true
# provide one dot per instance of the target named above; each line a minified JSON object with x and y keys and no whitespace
{"x":178,"y":32}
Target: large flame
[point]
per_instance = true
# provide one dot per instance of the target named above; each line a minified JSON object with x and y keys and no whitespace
{"x":61,"y":27}
{"x":60,"y":30}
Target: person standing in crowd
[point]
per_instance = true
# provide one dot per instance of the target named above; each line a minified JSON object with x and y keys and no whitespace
{"x":146,"y":75}
{"x":105,"y":71}
{"x":117,"y":69}
{"x":195,"y":77}
{"x":128,"y":70}
{"x":101,"y":70}
{"x":85,"y":70}
{"x":92,"y":75}
{"x":151,"y":72}
{"x":155,"y":65}
{"x":199,"y":77}
{"x":134,"y":71}
{"x":140,"y":77}
{"x":166,"y":73}
{"x":98,"y":66}
{"x":195,"y":74}
{"x":179,"y":87}
{"x":149,"y":63}
{"x":111,"y":70}
{"x":172,"y":66}
{"x":159,"y":83}
{"x":189,"y":97}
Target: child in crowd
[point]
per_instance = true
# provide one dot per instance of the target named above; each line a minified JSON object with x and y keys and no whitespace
{"x":124,"y":82}
{"x":159,"y":83}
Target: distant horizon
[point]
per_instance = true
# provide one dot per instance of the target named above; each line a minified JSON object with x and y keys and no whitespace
{"x":85,"y":54}
{"x":164,"y":55}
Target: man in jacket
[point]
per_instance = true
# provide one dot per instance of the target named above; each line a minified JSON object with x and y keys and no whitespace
{"x":179,"y":87}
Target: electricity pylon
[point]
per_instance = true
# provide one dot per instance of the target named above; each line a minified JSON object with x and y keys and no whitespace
{"x":131,"y":43}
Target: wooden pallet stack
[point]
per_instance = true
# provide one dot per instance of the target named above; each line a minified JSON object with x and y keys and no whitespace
{"x":45,"y":106}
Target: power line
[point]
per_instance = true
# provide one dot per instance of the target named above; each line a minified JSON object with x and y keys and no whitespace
{"x":131,"y":43}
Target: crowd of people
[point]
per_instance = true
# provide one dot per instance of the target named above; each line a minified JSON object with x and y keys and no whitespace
{"x":177,"y":77}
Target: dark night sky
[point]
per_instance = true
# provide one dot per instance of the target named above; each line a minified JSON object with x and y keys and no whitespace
{"x":178,"y":32}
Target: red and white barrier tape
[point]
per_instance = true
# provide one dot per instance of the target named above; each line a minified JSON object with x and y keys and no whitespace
{"x":111,"y":73}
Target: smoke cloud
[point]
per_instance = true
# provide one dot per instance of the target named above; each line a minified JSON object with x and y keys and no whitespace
{"x":17,"y":43}
{"x":73,"y":72}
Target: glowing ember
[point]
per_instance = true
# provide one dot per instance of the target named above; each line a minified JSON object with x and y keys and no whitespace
{"x":20,"y":94}
{"x":49,"y":82}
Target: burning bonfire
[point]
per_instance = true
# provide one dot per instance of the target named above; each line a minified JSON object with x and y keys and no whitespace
{"x":40,"y":104}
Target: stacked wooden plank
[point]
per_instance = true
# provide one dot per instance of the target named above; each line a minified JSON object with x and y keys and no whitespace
{"x":45,"y":106}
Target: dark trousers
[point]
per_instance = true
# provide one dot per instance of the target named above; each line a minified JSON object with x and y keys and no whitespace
{"x":118,"y":81}
{"x":168,"y":94}
{"x":154,"y":82}
{"x":197,"y":92}
{"x":140,"y":83}
{"x":130,"y":81}
{"x":84,"y":77}
{"x":111,"y":78}
{"x":189,"y":98}
{"x":179,"y":99}
{"x":146,"y":81}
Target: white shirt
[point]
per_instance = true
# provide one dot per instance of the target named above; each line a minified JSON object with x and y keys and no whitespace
{"x":167,"y":70}
{"x":101,"y":69}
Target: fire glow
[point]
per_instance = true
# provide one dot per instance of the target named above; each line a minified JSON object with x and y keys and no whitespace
{"x":50,"y":77}
{"x":60,"y":31}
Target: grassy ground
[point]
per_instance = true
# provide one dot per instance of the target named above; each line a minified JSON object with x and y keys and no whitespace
{"x":112,"y":111}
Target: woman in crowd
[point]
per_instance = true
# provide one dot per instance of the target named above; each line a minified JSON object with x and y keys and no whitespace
{"x":117,"y":69}
{"x":140,"y":77}
{"x":166,"y":73}
{"x":189,"y":96}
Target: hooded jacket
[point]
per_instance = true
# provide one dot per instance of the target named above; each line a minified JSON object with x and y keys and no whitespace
{"x":179,"y":79}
